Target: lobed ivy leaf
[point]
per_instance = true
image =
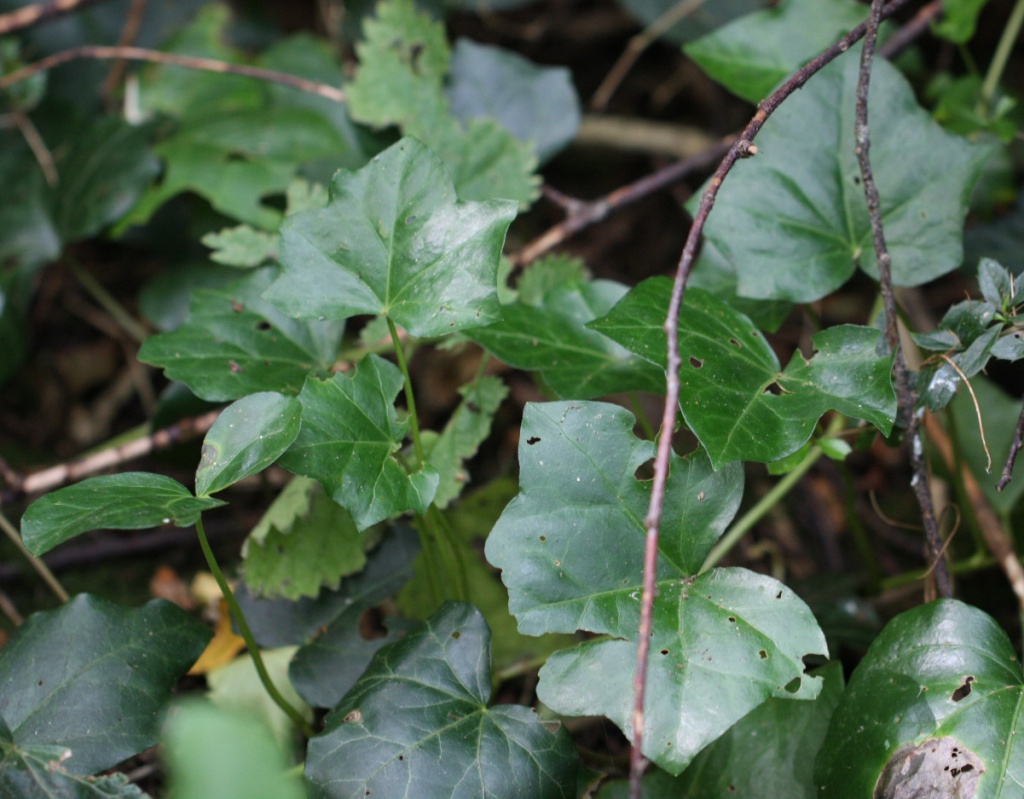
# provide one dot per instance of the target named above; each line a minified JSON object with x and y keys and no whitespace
{"x":241,"y":246}
{"x":800,"y":203}
{"x":551,"y":337}
{"x":348,"y":438}
{"x":571,"y":549}
{"x":753,"y":54}
{"x":94,"y":677}
{"x":733,"y":395}
{"x":933,"y":709}
{"x":394,"y":240}
{"x":128,"y":501}
{"x":417,"y":724}
{"x":247,"y":437}
{"x":236,"y":343}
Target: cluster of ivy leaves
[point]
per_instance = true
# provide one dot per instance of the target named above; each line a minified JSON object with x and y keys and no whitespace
{"x":439,"y":149}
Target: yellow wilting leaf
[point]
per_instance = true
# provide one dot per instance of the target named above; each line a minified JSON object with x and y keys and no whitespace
{"x":223,"y":647}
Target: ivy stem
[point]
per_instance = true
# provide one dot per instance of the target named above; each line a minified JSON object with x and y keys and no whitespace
{"x":410,"y":398}
{"x":1002,"y":54}
{"x":36,"y":563}
{"x":250,"y":641}
{"x":768,"y":501}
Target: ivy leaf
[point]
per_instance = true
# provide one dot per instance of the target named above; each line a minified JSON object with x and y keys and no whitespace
{"x":959,"y":19}
{"x":935,"y":702}
{"x":236,"y":343}
{"x":347,"y":441}
{"x":93,"y":677}
{"x":304,"y":542}
{"x":571,"y":549}
{"x":394,"y":240}
{"x":800,"y":203}
{"x":755,"y":53}
{"x":417,"y":723}
{"x":128,"y":501}
{"x":551,"y":338}
{"x":247,"y":437}
{"x":733,"y":395}
{"x":241,"y":246}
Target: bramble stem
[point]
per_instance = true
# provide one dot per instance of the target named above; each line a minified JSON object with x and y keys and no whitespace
{"x":250,"y":642}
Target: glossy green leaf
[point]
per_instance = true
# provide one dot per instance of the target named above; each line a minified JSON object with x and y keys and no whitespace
{"x":959,"y":19}
{"x":768,"y":753}
{"x":733,"y":395}
{"x":417,"y":724}
{"x":468,"y":427}
{"x":236,"y":343}
{"x":247,"y":437}
{"x":210,"y":751}
{"x":94,"y":677}
{"x":305,"y":542}
{"x":755,"y":53}
{"x":933,"y":709}
{"x":551,"y":337}
{"x":348,"y":438}
{"x":996,"y":283}
{"x":800,"y":205}
{"x":128,"y":501}
{"x":403,"y":60}
{"x":536,"y":104}
{"x":571,"y":549}
{"x":395,"y":241}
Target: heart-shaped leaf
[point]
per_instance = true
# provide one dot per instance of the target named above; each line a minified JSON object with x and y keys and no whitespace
{"x":347,"y":441}
{"x":128,"y":501}
{"x":394,"y":240}
{"x":236,"y":343}
{"x":571,"y":549}
{"x":800,"y":205}
{"x":247,"y":437}
{"x":417,"y":724}
{"x":734,"y":397}
{"x":933,"y":709}
{"x":94,"y":677}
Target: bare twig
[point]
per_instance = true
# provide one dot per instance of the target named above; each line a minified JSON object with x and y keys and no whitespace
{"x":906,"y":35}
{"x":26,"y":16}
{"x":907,"y":397}
{"x":35,"y":142}
{"x":129,"y":31}
{"x":41,"y":568}
{"x":1011,"y":458}
{"x":174,"y":59}
{"x":743,"y":147}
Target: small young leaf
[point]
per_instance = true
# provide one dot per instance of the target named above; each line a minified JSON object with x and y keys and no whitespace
{"x":958,"y":21}
{"x":395,"y":241}
{"x":247,"y":437}
{"x":996,"y":283}
{"x":94,"y":677}
{"x":236,"y":343}
{"x":128,"y":501}
{"x":347,"y":441}
{"x":242,"y":245}
{"x":419,"y":716}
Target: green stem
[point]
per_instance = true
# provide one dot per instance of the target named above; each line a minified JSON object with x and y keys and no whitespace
{"x":1002,"y":54}
{"x":430,"y":563}
{"x":41,"y":568}
{"x":977,"y":561}
{"x":107,"y":301}
{"x":410,"y":399}
{"x":768,"y":501}
{"x":250,"y":642}
{"x":450,"y":553}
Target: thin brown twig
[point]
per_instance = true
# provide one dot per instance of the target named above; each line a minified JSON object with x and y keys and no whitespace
{"x":907,"y":397}
{"x":26,"y":16}
{"x":907,"y":33}
{"x":173,"y":59}
{"x":743,"y":147}
{"x":128,"y":33}
{"x":1011,"y":458}
{"x":35,"y":143}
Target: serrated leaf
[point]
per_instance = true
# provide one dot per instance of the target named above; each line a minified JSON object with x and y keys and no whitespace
{"x":733,"y":395}
{"x":418,"y":724}
{"x":755,"y":53}
{"x":94,"y":677}
{"x":242,"y":246}
{"x":468,"y":427}
{"x":940,"y":688}
{"x":547,"y":273}
{"x":128,"y":501}
{"x":769,"y":752}
{"x":247,"y":437}
{"x":800,"y":203}
{"x":304,"y":542}
{"x":211,"y":751}
{"x":552,"y":337}
{"x":571,"y":549}
{"x":236,"y":343}
{"x":394,"y":240}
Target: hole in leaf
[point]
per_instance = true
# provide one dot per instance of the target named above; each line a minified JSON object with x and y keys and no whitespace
{"x":793,"y":686}
{"x":732,"y":619}
{"x":371,"y":625}
{"x":645,"y":471}
{"x":696,"y":363}
{"x":964,"y":690}
{"x":456,"y":635}
{"x":778,"y":595}
{"x":755,"y":334}
{"x":763,"y":654}
{"x":773,"y":388}
{"x":542,"y":538}
{"x":937,"y":767}
{"x":735,"y":343}
{"x":664,"y":651}
{"x":263,"y":324}
{"x":533,"y":440}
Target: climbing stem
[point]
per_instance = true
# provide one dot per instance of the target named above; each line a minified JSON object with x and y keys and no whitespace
{"x":250,"y":642}
{"x":410,"y":398}
{"x":1002,"y":54}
